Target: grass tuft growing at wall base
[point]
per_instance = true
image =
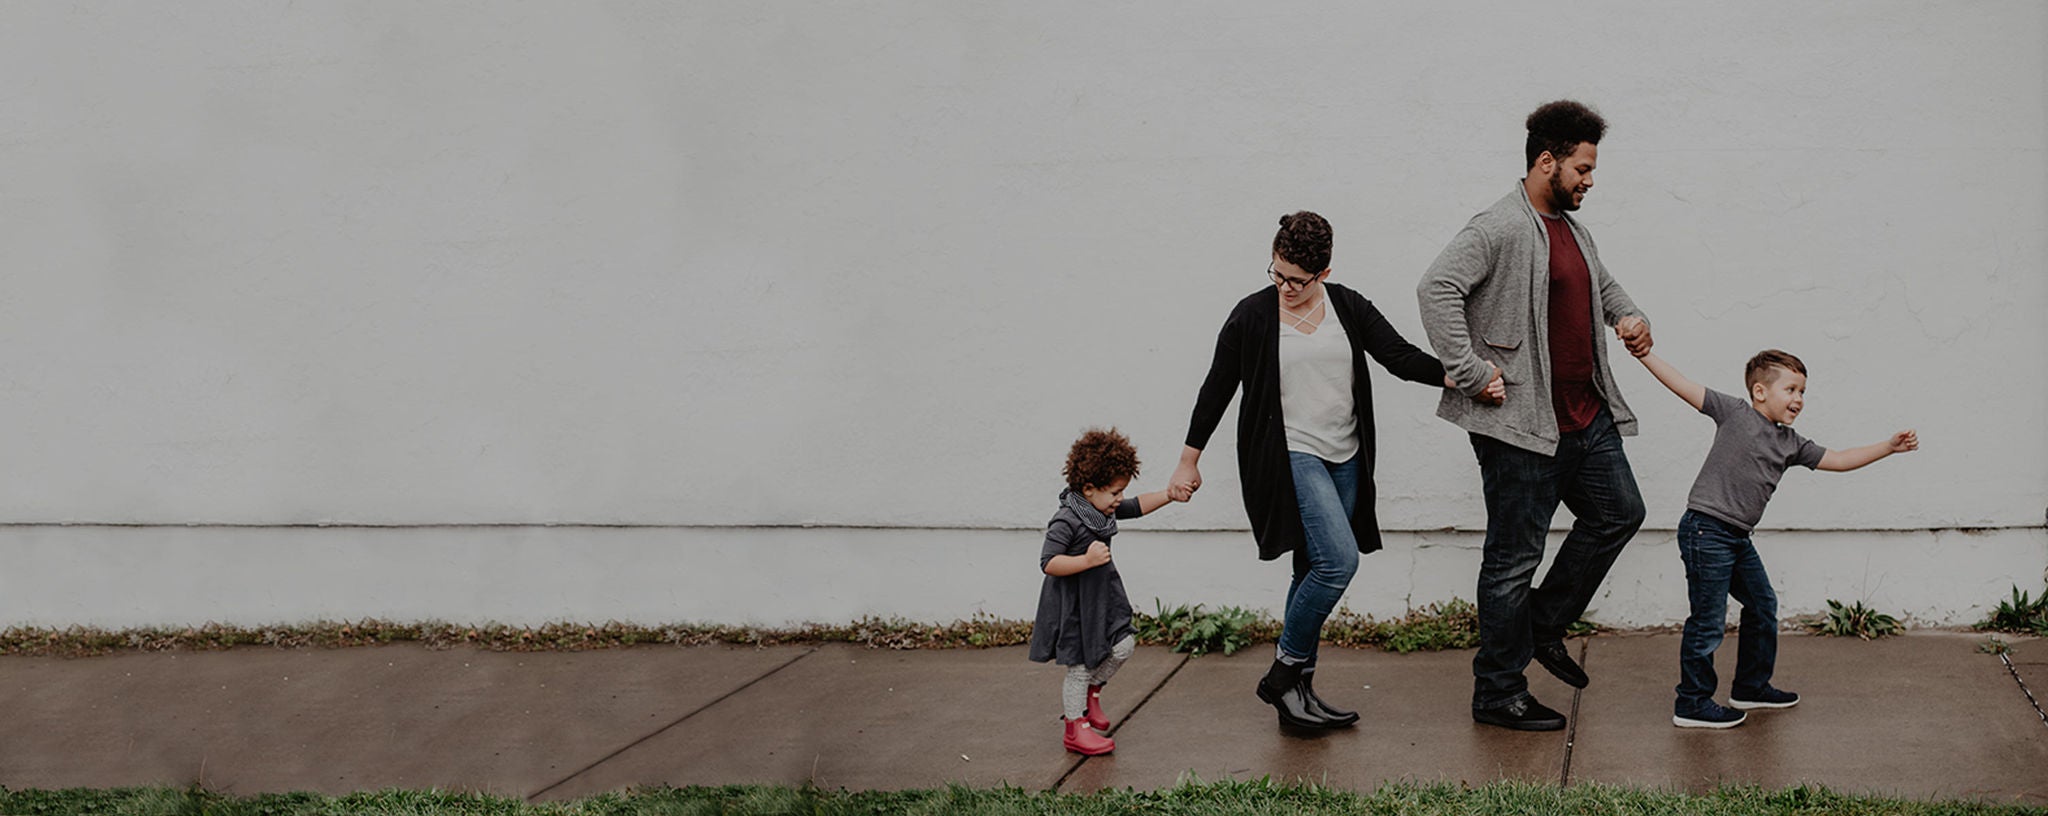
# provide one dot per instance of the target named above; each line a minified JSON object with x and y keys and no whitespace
{"x":1450,"y":625}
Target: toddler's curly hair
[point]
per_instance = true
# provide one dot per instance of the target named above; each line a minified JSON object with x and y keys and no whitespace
{"x":1099,"y":457}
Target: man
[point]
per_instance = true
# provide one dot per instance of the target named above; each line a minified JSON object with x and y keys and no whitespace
{"x":1516,"y":296}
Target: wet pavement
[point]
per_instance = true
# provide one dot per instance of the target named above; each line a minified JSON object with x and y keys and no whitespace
{"x":1924,"y":716}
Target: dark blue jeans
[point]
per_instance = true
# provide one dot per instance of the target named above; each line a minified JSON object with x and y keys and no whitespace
{"x":1327,"y":494}
{"x":1590,"y":476}
{"x":1720,"y":561}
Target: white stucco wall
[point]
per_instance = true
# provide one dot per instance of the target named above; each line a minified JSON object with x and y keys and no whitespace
{"x":725,"y":274}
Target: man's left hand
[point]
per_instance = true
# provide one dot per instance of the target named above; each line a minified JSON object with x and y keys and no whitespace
{"x":1635,"y":334}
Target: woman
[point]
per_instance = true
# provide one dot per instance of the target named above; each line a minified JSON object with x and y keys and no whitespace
{"x":1304,"y":440}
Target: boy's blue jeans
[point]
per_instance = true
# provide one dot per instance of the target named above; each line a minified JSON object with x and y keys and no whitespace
{"x":1590,"y":475}
{"x":1720,"y":561}
{"x":1327,"y":494}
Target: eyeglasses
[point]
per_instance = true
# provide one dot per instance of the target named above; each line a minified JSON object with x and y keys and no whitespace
{"x":1290,"y":284}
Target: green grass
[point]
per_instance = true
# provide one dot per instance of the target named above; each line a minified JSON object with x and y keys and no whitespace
{"x":881,"y":633}
{"x":1450,"y":625}
{"x":1854,"y":621}
{"x":1453,"y":624}
{"x":1194,"y":798}
{"x":1189,"y":629}
{"x":2022,"y":614}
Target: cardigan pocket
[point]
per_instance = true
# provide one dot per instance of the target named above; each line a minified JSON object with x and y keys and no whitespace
{"x":1507,"y":355}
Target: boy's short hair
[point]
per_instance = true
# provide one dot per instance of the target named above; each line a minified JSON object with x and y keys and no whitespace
{"x":1304,"y":240}
{"x":1099,"y":457}
{"x":1558,"y":128}
{"x":1762,"y":366}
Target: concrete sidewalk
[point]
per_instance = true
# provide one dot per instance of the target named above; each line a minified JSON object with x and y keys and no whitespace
{"x":1920,"y":716}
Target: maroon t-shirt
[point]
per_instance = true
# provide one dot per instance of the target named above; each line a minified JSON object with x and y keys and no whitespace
{"x":1572,"y":391}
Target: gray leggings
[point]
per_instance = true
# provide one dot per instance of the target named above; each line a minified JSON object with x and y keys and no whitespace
{"x":1074,"y":690}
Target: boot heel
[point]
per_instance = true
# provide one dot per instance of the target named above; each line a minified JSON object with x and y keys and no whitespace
{"x":1081,"y":740}
{"x":1281,"y":688}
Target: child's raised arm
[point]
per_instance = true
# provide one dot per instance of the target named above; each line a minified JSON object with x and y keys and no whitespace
{"x":1148,"y":502}
{"x":1693,"y":393}
{"x":1853,"y":458}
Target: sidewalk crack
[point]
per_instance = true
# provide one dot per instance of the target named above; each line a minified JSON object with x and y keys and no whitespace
{"x":1571,"y":736}
{"x":1119,"y":724}
{"x":2023,"y":688}
{"x":678,"y":721}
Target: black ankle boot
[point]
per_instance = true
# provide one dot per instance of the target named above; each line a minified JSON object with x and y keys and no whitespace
{"x":1282,"y":688}
{"x":1336,"y":716}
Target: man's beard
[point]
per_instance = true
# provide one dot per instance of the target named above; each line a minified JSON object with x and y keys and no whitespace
{"x":1560,"y":195}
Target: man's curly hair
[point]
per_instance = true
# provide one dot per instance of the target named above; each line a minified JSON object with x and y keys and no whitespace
{"x":1559,"y":127}
{"x":1100,"y":457}
{"x":1304,"y":240}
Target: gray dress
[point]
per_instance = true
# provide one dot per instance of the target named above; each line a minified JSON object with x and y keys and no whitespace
{"x":1081,"y":615}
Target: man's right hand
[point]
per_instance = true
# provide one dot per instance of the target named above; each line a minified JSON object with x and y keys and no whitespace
{"x":1496,"y":390}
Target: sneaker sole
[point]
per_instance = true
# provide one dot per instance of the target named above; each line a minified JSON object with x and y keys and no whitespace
{"x":1524,"y":725}
{"x":1747,"y":705}
{"x":1683,"y":722}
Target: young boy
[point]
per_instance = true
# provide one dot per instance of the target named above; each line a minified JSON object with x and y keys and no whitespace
{"x":1753,"y":445}
{"x":1084,"y":615}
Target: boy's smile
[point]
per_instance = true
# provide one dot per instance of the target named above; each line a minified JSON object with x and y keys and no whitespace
{"x":1781,"y":399}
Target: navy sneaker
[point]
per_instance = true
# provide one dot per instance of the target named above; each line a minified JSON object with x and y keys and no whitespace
{"x":1768,"y":698}
{"x":1709,"y":715}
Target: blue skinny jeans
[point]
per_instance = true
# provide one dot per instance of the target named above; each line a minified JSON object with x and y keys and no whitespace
{"x":1327,"y":494}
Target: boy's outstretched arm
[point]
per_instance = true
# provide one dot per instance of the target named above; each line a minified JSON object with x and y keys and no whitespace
{"x":1693,"y":393}
{"x":1853,"y":458}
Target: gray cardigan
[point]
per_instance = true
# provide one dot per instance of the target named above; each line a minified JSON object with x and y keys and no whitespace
{"x":1486,"y":299}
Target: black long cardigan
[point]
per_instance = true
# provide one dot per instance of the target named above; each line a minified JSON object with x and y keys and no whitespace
{"x":1248,"y":352}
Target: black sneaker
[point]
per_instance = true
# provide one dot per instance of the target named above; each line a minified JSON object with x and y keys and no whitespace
{"x":1768,"y":698}
{"x":1524,"y":714}
{"x":1709,"y":715}
{"x":1554,"y":657}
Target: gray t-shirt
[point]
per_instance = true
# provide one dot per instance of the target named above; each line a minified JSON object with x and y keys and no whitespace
{"x":1749,"y":454}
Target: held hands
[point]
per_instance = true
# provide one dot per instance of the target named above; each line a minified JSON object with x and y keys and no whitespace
{"x":1635,"y":334}
{"x":1186,"y":480}
{"x":1495,"y":392}
{"x":1906,"y":440}
{"x":1098,"y":554}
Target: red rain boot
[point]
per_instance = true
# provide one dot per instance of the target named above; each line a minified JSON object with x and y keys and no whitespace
{"x":1082,"y":741}
{"x":1096,"y":719}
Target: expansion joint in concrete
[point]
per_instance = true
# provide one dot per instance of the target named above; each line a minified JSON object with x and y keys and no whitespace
{"x":1119,"y":724}
{"x":2007,"y":660}
{"x":535,"y":796}
{"x":1571,"y":734}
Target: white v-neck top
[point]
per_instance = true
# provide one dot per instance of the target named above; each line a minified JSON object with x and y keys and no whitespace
{"x":1315,"y":389}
